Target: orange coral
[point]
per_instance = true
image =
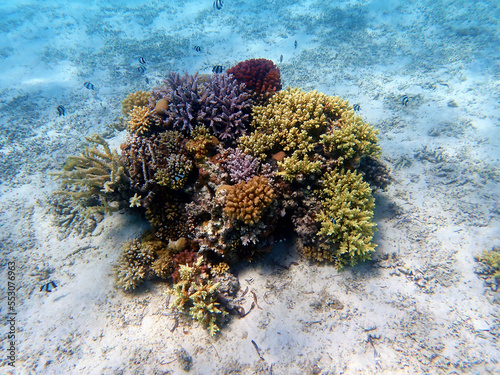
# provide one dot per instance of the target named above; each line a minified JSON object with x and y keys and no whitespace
{"x":247,"y":200}
{"x":140,"y":120}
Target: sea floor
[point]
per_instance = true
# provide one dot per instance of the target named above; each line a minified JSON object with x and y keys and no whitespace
{"x":418,"y":307}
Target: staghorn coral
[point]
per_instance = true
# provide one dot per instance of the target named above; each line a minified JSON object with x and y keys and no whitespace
{"x":260,"y":76}
{"x":226,"y":109}
{"x":96,"y":178}
{"x":247,"y":200}
{"x":140,"y":121}
{"x":346,"y":217}
{"x":135,"y":99}
{"x":198,"y":296}
{"x":309,"y":128}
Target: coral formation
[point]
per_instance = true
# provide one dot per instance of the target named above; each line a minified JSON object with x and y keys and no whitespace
{"x":247,"y":200}
{"x":220,"y":179}
{"x":140,"y":121}
{"x":260,"y":76}
{"x":491,"y":263}
{"x":135,"y":99}
{"x":346,"y":218}
{"x":97,"y":179}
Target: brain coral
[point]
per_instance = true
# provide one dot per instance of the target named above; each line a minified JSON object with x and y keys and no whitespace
{"x":247,"y":200}
{"x":261,"y":77}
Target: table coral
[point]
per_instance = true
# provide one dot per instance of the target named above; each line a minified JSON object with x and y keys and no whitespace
{"x":247,"y":200}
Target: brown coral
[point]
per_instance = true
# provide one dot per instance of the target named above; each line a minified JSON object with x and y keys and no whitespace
{"x":140,"y":121}
{"x":247,"y":200}
{"x":135,"y":99}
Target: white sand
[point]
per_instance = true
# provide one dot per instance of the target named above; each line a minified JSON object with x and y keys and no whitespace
{"x":419,"y":301}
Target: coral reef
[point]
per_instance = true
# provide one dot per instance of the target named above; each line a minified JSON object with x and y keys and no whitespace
{"x":260,"y":76}
{"x":490,"y":267}
{"x":135,"y":99}
{"x":247,"y":200}
{"x":346,"y":218}
{"x":220,"y":179}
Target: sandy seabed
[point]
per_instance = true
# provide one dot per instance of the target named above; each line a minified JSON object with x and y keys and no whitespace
{"x":418,"y":307}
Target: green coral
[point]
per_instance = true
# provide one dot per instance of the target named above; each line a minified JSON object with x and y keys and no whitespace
{"x":96,"y":177}
{"x":308,"y":126}
{"x":346,"y":217}
{"x":491,"y":259}
{"x":198,"y":296}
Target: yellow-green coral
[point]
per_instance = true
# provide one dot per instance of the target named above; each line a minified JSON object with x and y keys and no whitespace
{"x":198,"y":296}
{"x":138,"y":99}
{"x":201,"y":142}
{"x":247,"y":200}
{"x":305,"y":124}
{"x":346,"y":217}
{"x":491,"y":259}
{"x":95,"y":174}
{"x":140,"y":120}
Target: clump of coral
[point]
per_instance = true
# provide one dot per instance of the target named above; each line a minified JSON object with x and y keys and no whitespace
{"x":247,"y":200}
{"x":97,"y":178}
{"x":260,"y":76}
{"x":135,"y":99}
{"x":219,"y":178}
{"x":490,"y":267}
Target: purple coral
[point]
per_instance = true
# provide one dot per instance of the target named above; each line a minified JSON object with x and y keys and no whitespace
{"x":219,"y":102}
{"x":226,"y":110}
{"x":240,"y":166}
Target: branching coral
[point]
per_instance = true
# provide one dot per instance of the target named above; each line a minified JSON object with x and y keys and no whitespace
{"x":261,"y":77}
{"x":134,"y":263}
{"x":135,"y":99}
{"x":309,"y":127}
{"x":140,"y":121}
{"x":240,"y":166}
{"x":247,"y":200}
{"x":226,"y":110}
{"x":346,"y":217}
{"x":198,"y":296}
{"x":96,"y":177}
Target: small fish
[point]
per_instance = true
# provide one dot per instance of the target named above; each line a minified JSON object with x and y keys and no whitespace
{"x":281,"y":58}
{"x":141,"y":69}
{"x":88,"y":86}
{"x":197,"y":48}
{"x":217,"y":69}
{"x":147,"y":80}
{"x":296,"y":44}
{"x":141,"y":60}
{"x":404,"y":100}
{"x":47,"y":287}
{"x":218,"y":4}
{"x":61,"y":110}
{"x":356,"y":107}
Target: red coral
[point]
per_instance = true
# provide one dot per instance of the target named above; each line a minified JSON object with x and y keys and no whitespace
{"x":261,"y":77}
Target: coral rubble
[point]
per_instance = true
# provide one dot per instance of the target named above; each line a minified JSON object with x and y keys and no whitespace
{"x":221,"y":165}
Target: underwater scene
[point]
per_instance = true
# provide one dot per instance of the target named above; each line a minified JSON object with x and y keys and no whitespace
{"x":250,"y":187}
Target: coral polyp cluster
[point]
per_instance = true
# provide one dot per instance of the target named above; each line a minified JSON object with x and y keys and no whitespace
{"x":217,"y":176}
